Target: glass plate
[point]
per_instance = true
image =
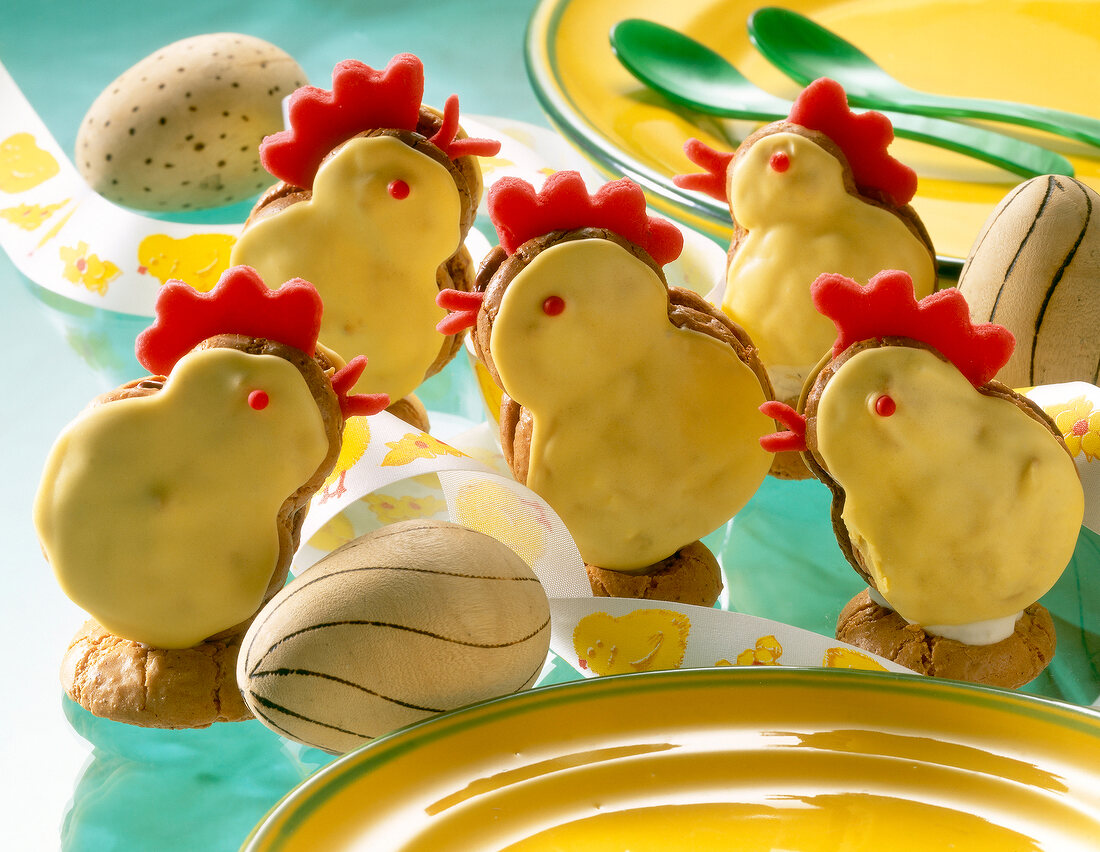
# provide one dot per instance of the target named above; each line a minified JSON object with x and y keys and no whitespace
{"x":1039,"y":52}
{"x":796,"y":759}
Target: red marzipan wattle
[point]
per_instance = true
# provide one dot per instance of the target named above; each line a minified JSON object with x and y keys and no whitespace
{"x":357,"y":404}
{"x":713,"y":180}
{"x":793,"y":439}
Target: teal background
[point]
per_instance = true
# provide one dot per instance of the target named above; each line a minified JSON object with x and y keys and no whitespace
{"x":82,"y":783}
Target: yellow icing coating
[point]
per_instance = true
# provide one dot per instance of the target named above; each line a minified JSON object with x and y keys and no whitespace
{"x":372,"y":257}
{"x":158,"y":513}
{"x":801,"y":222}
{"x":964,"y":508}
{"x":645,"y":436}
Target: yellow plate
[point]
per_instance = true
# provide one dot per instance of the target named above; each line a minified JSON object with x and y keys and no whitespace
{"x":1045,"y":53}
{"x":715,"y":759}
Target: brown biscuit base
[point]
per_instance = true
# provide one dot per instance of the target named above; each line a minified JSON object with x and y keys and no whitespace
{"x":816,"y":386}
{"x":1012,"y":662}
{"x":789,"y":465}
{"x":691,"y":576}
{"x":155,"y":688}
{"x":193,"y":687}
{"x":412,"y":411}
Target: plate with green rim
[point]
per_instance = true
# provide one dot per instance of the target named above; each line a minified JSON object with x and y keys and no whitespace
{"x":807,"y":759}
{"x":1044,"y":53}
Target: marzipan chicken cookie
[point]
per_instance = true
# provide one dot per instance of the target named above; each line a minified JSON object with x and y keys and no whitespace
{"x":171,"y":508}
{"x":686,"y":309}
{"x":629,"y":405}
{"x":813,"y":457}
{"x":376,"y":197}
{"x":954,"y":497}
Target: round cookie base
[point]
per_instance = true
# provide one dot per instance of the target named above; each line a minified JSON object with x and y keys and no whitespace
{"x":125,"y":681}
{"x":1010,"y":663}
{"x":690,"y":576}
{"x":789,"y":465}
{"x":412,"y":411}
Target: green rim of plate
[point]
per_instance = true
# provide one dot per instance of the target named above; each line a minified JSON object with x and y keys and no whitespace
{"x":297,"y":806}
{"x":566,"y":118}
{"x":691,"y":208}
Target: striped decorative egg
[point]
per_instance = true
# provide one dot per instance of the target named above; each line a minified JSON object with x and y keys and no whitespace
{"x":414,"y":619}
{"x":1035,"y":269}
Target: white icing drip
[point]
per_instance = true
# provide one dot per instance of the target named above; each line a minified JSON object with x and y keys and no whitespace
{"x":976,"y":632}
{"x":973,"y":633}
{"x":878,"y":598}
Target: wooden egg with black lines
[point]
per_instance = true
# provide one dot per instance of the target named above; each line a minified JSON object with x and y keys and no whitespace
{"x":398,"y":625}
{"x":1035,"y":269}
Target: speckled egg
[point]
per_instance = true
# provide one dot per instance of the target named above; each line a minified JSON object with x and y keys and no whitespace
{"x":181,"y":129}
{"x":1035,"y":269}
{"x":398,"y":625}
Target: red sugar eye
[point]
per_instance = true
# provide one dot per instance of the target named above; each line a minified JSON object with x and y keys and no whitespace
{"x":398,"y":189}
{"x":885,"y":406}
{"x":553,"y":306}
{"x":780,"y":161}
{"x":258,"y":399}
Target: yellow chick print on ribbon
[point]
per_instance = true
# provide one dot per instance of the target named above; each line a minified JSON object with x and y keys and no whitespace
{"x":87,"y":269}
{"x":198,"y":260}
{"x":494,"y":509}
{"x":23,"y":165}
{"x":849,"y":658}
{"x":390,"y":509}
{"x":354,"y":444}
{"x":30,"y":217}
{"x":766,"y":652}
{"x":644,"y":640}
{"x":416,"y":445}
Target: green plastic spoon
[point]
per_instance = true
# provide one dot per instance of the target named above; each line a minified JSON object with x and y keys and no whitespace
{"x":689,"y":73}
{"x":804,"y":51}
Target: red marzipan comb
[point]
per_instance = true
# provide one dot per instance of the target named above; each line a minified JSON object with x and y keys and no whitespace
{"x":863,"y":137}
{"x":888,"y":307}
{"x":240,"y":303}
{"x":361,"y":99}
{"x":519,"y":213}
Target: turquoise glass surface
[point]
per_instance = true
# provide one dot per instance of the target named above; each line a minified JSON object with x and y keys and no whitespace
{"x":77,"y":782}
